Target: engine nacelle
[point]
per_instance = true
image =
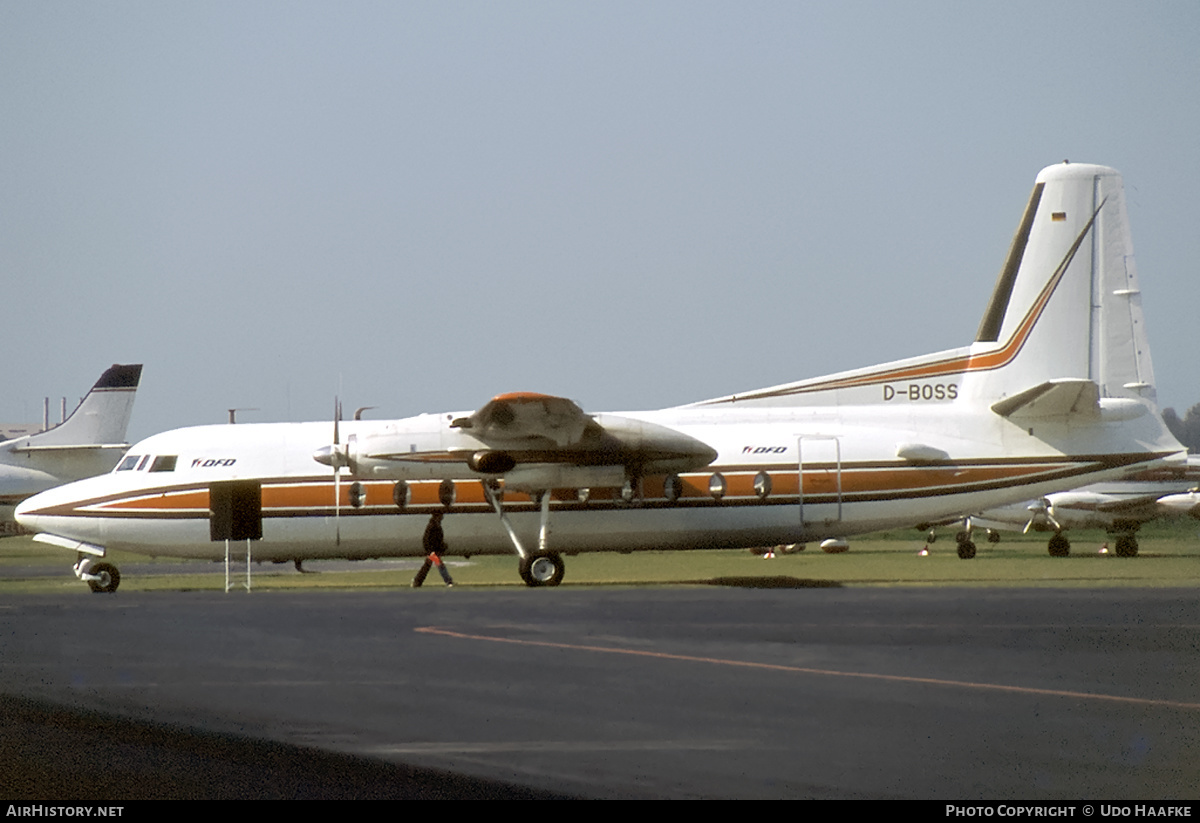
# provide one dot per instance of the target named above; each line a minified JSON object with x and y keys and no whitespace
{"x":491,"y":462}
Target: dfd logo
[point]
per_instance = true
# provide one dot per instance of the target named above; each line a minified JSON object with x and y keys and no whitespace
{"x":211,"y":462}
{"x":764,"y":449}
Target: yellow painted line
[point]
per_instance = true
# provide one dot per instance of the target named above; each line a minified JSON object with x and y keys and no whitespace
{"x":894,"y":678}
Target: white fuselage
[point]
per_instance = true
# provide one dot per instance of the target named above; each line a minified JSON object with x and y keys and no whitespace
{"x":853,"y":482}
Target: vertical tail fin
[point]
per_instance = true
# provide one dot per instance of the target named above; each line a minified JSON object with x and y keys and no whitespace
{"x":102,"y":418}
{"x":1065,"y":315}
{"x":1067,"y":304}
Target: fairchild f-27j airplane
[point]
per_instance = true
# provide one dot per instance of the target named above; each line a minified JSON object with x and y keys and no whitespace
{"x":87,"y":443}
{"x":1056,"y":391}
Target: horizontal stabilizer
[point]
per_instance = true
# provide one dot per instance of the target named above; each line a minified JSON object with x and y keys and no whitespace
{"x":1054,"y":398}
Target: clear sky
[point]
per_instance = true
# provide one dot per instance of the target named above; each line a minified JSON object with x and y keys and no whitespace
{"x":642,"y":204}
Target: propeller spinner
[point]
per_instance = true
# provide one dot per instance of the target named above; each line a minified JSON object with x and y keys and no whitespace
{"x":338,"y":457}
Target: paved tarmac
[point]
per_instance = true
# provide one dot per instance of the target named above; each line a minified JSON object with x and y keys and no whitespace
{"x":625,"y":692}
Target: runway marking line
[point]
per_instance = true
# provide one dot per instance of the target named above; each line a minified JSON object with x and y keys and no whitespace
{"x":895,"y":678}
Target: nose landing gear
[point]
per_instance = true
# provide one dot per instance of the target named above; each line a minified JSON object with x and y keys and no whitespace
{"x":100,"y":577}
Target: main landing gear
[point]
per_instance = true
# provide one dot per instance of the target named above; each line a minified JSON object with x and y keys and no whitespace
{"x":966,"y":548}
{"x":538,"y":568}
{"x":100,"y":577}
{"x":1060,"y":546}
{"x":542,"y":569}
{"x":966,"y":542}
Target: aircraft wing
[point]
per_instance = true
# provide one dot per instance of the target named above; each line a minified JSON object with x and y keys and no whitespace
{"x":1100,"y":502}
{"x":1130,"y":504}
{"x":523,"y":429}
{"x":529,"y":419}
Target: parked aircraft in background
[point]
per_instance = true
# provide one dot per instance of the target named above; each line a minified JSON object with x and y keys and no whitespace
{"x":1180,"y":504}
{"x":1057,"y":390}
{"x":1120,"y":506}
{"x":87,"y":443}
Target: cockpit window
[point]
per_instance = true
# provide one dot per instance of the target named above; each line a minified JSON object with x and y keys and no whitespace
{"x":129,"y":463}
{"x":164,"y":463}
{"x":142,"y":465}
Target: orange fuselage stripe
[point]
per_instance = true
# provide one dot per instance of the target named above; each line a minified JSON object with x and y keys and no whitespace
{"x":739,"y":484}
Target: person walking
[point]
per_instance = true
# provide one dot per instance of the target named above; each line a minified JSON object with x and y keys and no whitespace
{"x":434,"y":543}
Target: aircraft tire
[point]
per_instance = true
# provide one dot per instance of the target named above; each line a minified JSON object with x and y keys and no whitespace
{"x":966,"y":550}
{"x":1059,"y":546}
{"x":1127,"y":546}
{"x":993,"y":536}
{"x":110,"y":578}
{"x":542,"y":569}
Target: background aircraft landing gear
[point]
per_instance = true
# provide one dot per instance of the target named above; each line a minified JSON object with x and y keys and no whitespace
{"x":542,"y":569}
{"x":966,"y":548}
{"x":1127,"y":546}
{"x":1059,"y":546}
{"x":104,"y":577}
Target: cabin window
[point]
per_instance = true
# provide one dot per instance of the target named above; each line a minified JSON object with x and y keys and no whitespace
{"x":446,"y":492}
{"x":164,"y":463}
{"x":716,"y":486}
{"x":400,"y":494}
{"x":762,"y":485}
{"x":129,"y":463}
